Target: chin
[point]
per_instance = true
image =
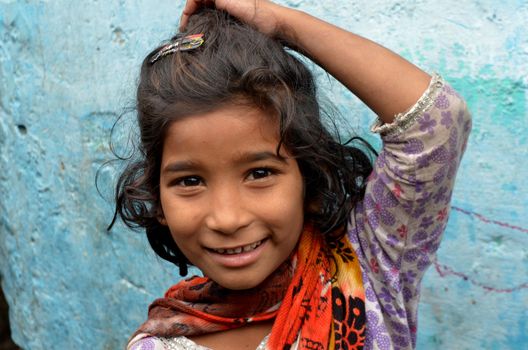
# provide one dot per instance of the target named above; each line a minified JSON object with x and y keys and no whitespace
{"x":238,"y":283}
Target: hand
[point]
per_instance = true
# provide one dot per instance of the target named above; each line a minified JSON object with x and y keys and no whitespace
{"x":261,"y":14}
{"x":367,"y":69}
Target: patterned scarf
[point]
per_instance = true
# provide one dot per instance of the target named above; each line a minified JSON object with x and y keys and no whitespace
{"x":316,"y":298}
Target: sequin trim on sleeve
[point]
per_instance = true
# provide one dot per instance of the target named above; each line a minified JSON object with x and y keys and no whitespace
{"x":180,"y":343}
{"x":403,"y":121}
{"x":183,"y":343}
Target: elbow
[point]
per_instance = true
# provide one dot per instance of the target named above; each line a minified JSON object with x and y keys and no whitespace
{"x":464,"y":121}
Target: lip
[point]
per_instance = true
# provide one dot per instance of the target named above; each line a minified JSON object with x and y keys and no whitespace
{"x":238,"y":260}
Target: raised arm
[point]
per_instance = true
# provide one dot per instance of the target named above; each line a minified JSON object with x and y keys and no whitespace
{"x":384,"y":81}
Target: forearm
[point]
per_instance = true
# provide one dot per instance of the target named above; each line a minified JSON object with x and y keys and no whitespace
{"x":384,"y":81}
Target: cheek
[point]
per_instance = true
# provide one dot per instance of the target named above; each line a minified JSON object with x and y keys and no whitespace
{"x":180,"y":217}
{"x":288,"y":206}
{"x":282,"y":212}
{"x":295,"y":205}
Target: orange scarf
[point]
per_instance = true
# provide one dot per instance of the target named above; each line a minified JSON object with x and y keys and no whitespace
{"x":316,"y":297}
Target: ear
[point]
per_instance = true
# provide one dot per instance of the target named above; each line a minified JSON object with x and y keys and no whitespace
{"x":161,"y":217}
{"x":313,"y":207}
{"x":161,"y":220}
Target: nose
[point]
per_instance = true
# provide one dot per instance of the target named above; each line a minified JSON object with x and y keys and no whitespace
{"x":227,"y":212}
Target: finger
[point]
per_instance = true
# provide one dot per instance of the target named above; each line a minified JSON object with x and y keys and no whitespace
{"x":191,"y":6}
{"x":183,"y":22}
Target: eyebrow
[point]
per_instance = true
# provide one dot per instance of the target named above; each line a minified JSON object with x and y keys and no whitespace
{"x":184,"y":165}
{"x":250,"y":157}
{"x":247,"y":157}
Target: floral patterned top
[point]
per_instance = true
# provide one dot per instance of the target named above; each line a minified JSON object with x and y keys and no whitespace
{"x":397,"y":227}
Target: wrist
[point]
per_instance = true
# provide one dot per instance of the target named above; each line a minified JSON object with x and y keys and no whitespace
{"x":271,"y":19}
{"x":285,"y":19}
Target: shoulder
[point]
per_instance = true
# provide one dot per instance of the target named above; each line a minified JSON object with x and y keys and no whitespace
{"x":144,"y":342}
{"x":439,"y":100}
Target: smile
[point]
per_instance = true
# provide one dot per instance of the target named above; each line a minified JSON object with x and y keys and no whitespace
{"x":238,"y":250}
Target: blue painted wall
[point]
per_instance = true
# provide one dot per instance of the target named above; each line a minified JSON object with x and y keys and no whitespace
{"x":68,"y":69}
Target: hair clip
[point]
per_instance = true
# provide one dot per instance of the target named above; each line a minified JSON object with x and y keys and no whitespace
{"x":189,"y":42}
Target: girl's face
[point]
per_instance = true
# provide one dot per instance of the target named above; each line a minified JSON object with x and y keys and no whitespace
{"x":233,"y":207}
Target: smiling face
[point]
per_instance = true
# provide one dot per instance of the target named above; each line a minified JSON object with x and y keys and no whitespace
{"x":233,"y":207}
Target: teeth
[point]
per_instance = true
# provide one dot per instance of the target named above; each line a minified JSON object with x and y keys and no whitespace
{"x":238,"y":250}
{"x":247,"y":248}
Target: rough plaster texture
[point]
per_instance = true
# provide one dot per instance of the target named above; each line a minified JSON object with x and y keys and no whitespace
{"x":68,"y":69}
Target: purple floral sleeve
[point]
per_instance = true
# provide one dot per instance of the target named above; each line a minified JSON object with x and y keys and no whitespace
{"x":397,"y":228}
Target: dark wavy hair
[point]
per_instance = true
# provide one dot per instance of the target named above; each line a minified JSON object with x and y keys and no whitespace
{"x":237,"y":64}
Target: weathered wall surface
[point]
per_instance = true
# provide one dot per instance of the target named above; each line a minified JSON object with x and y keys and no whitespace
{"x":67,"y":69}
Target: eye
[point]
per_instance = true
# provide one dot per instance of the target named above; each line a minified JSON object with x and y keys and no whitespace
{"x":260,"y":173}
{"x":189,"y":181}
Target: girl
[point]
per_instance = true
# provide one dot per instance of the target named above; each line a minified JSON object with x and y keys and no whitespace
{"x":302,"y":242}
